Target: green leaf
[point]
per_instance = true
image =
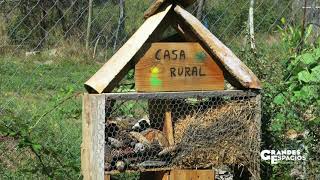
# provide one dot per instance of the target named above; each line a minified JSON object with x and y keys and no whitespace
{"x":3,"y":129}
{"x":37,"y":147}
{"x":315,"y":73}
{"x":283,"y":20}
{"x":280,"y":117}
{"x":278,"y":122}
{"x":279,"y":99}
{"x":317,"y":53}
{"x":304,"y":76}
{"x":307,"y":58}
{"x":315,"y":122}
{"x":310,"y":91}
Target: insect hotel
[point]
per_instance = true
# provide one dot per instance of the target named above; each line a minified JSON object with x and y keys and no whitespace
{"x":195,"y":107}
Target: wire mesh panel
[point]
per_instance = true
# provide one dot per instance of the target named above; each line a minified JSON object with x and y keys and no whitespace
{"x":209,"y":129}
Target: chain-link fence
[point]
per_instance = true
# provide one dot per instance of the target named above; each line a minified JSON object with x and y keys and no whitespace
{"x":49,"y":48}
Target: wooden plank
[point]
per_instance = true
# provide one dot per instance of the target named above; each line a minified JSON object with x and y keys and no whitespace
{"x":101,"y":80}
{"x":154,"y":8}
{"x":176,"y":67}
{"x":258,"y":114}
{"x":107,"y":177}
{"x":158,"y":4}
{"x":168,"y":128}
{"x":93,"y":137}
{"x":192,"y":174}
{"x":241,"y":76}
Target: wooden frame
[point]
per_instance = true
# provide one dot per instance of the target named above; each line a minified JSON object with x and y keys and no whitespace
{"x":93,"y":129}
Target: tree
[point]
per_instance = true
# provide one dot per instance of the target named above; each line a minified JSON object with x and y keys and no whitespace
{"x":121,"y":23}
{"x":200,"y":8}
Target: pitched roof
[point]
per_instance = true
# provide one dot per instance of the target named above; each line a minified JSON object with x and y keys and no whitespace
{"x":102,"y":80}
{"x":236,"y":72}
{"x":230,"y":63}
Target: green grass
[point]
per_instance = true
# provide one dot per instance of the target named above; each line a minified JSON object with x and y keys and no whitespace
{"x":40,"y":103}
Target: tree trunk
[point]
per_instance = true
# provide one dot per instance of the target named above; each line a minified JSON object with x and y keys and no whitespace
{"x":89,"y":24}
{"x":121,"y":23}
{"x":43,"y":24}
{"x":312,"y":8}
{"x":251,"y":28}
{"x":59,"y":7}
{"x":200,"y":9}
{"x":313,"y":17}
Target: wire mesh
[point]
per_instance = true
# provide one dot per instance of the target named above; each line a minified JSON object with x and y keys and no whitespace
{"x":208,"y":131}
{"x":44,"y":62}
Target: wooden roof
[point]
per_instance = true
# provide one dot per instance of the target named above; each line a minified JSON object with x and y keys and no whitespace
{"x":236,"y":72}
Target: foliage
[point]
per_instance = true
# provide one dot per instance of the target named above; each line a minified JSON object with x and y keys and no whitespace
{"x":295,"y":113}
{"x":42,"y":118}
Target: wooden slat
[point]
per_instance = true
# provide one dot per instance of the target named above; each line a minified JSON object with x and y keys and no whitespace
{"x":258,"y":115}
{"x":154,"y":8}
{"x":168,"y":128}
{"x":232,"y":65}
{"x":101,"y":80}
{"x":187,"y":94}
{"x":93,"y":137}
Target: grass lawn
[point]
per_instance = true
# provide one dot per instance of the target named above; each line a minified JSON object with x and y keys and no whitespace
{"x":40,"y":116}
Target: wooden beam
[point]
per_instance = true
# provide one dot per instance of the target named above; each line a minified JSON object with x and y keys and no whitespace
{"x":158,"y":4}
{"x":104,"y":79}
{"x":258,"y":114}
{"x":93,"y":137}
{"x":154,"y":8}
{"x":173,"y":95}
{"x":244,"y":77}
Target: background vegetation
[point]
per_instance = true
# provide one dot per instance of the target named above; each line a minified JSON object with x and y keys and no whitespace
{"x":44,"y":63}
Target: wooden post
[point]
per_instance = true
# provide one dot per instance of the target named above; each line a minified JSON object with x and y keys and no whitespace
{"x":258,"y":115}
{"x":93,"y":137}
{"x":167,"y":127}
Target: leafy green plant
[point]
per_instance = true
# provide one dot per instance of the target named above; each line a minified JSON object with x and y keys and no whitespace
{"x":295,"y":103}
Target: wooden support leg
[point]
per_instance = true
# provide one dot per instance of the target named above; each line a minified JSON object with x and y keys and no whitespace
{"x":93,"y":137}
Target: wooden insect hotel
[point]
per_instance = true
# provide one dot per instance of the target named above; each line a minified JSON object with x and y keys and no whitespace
{"x":195,"y":107}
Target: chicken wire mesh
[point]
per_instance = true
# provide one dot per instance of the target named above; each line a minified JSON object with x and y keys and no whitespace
{"x":40,"y":133}
{"x":208,"y":131}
